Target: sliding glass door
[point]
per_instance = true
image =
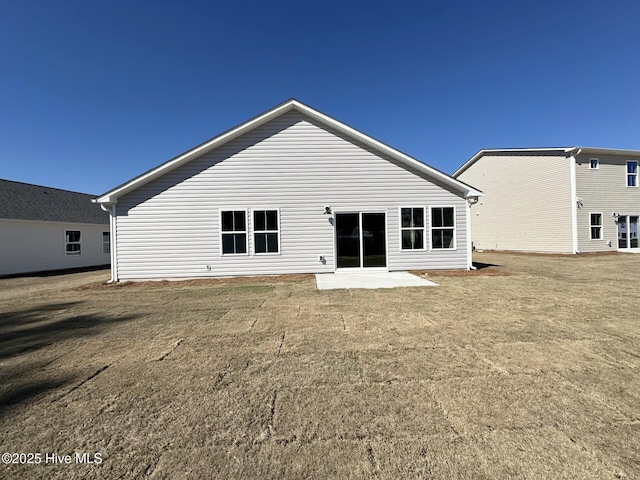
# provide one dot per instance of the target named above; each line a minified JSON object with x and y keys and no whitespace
{"x":348,"y":240}
{"x":374,"y":242}
{"x":361,"y":240}
{"x":628,"y":231}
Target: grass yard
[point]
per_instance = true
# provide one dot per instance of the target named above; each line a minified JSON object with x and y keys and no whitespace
{"x":531,"y":375}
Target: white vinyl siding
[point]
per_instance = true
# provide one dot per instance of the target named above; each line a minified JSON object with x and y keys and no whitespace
{"x":527,"y":202}
{"x":166,"y":228}
{"x":36,"y":246}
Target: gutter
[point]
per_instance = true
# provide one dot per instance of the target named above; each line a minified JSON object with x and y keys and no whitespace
{"x":572,"y":152}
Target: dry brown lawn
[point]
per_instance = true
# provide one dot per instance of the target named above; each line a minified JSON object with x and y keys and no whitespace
{"x":529,"y":370}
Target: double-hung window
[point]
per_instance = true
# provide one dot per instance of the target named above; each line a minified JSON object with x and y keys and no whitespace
{"x":632,"y":173}
{"x":266,"y":231}
{"x":72,"y":242}
{"x":412,"y":228}
{"x":234,"y":232}
{"x":595,"y":225}
{"x":106,"y":242}
{"x":443,"y":228}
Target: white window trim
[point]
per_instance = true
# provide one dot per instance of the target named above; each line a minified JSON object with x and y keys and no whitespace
{"x":432,"y":228}
{"x":72,"y":254}
{"x":424,"y":229}
{"x":254,"y":231}
{"x":245,"y":231}
{"x":597,"y":167}
{"x":103,"y":243}
{"x":626,"y":173}
{"x":601,"y":226}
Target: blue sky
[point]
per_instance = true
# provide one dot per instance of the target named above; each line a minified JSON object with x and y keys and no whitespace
{"x":94,"y":93}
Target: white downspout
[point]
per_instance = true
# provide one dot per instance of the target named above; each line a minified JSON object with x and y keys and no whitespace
{"x":574,"y":199}
{"x":470,"y":201}
{"x":111,"y":209}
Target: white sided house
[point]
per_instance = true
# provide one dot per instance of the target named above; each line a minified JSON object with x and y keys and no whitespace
{"x":555,"y":200}
{"x":44,"y":229}
{"x":290,"y":191}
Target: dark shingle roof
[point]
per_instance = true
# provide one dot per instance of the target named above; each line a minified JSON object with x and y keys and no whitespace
{"x":23,"y":201}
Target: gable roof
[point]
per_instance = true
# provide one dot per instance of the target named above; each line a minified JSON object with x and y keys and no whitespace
{"x":24,"y":201}
{"x":112,"y":196}
{"x":567,"y":151}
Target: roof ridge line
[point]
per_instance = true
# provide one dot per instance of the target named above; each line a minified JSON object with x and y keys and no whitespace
{"x":45,"y":186}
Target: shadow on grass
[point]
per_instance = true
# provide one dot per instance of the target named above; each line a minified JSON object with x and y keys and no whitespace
{"x":24,"y":332}
{"x":480,"y":265}
{"x":24,"y":317}
{"x":55,"y":273}
{"x":30,"y":390}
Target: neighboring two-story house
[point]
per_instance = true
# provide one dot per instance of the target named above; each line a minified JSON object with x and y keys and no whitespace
{"x":555,"y":200}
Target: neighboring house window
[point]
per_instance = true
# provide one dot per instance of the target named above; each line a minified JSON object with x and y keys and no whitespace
{"x":412,"y":228}
{"x":72,"y":242}
{"x":632,"y":174}
{"x":443,"y":227}
{"x":594,"y":163}
{"x":106,"y":242}
{"x":596,"y":226}
{"x":265,"y":231}
{"x":234,"y":232}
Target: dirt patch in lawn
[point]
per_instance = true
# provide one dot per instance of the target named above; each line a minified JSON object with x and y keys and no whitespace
{"x":526,"y":368}
{"x":492,"y":271}
{"x":199,"y":282}
{"x":481,"y":269}
{"x":545,"y":254}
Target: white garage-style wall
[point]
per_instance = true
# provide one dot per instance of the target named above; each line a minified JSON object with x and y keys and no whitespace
{"x":34,"y":246}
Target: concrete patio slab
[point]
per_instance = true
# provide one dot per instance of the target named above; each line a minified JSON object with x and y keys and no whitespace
{"x":371,"y":280}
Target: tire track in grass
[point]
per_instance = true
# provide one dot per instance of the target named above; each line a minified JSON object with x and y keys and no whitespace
{"x":268,"y":430}
{"x":281,"y":342}
{"x":372,"y":460}
{"x":170,"y":351}
{"x":88,"y":379}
